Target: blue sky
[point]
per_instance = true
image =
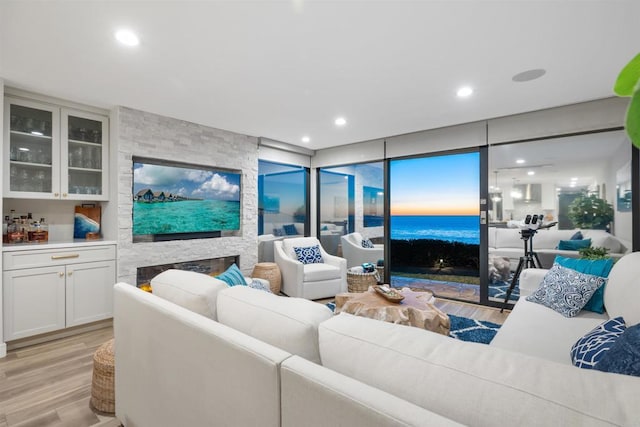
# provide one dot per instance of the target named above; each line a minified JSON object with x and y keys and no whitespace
{"x":438,"y":185}
{"x":188,"y":182}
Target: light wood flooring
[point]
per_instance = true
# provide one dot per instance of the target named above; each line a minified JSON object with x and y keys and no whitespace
{"x":49,"y":384}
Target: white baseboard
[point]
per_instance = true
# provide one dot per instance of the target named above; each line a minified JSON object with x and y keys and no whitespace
{"x":3,"y":350}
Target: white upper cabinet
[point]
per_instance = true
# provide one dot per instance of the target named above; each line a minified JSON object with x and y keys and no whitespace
{"x":54,"y":152}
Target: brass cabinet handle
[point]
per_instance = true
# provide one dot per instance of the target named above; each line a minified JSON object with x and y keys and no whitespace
{"x":61,"y":274}
{"x":65,"y":256}
{"x":64,"y":194}
{"x":70,"y":273}
{"x":56,"y":194}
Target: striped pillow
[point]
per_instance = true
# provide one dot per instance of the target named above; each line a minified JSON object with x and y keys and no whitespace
{"x":232,"y":276}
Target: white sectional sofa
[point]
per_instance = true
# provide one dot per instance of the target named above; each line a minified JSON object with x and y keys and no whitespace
{"x":268,"y":360}
{"x":507,"y":242}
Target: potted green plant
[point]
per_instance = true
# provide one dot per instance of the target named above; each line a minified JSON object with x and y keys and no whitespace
{"x":627,"y":84}
{"x":594,"y":253}
{"x":590,"y":212}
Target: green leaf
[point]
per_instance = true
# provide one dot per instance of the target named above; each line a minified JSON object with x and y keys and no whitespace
{"x":628,"y":77}
{"x":632,"y":123}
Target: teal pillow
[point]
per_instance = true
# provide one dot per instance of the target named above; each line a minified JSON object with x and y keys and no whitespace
{"x":574,"y":245}
{"x":596,"y":267}
{"x":232,"y":276}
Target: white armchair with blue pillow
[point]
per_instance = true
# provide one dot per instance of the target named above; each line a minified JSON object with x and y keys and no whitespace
{"x":308,"y":271}
{"x":358,"y":250}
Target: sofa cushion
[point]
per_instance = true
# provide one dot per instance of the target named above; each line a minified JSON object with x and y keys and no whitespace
{"x":597,"y":267}
{"x":622,"y":293}
{"x":574,"y":245}
{"x":624,"y":355}
{"x":287,"y":323}
{"x":602,"y":239}
{"x":593,"y":346}
{"x":463,"y":381}
{"x":309,"y":254}
{"x":195,"y":291}
{"x":535,"y":330}
{"x":320,"y":271}
{"x":566,"y":291}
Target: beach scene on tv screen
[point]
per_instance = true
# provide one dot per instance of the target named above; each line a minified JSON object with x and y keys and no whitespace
{"x":176,"y":199}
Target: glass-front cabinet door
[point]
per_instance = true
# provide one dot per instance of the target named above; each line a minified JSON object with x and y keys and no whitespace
{"x":33,"y":149}
{"x":85,"y":154}
{"x":54,"y":152}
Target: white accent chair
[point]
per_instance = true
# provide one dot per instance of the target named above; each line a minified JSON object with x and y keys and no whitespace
{"x":310,"y":281}
{"x":355,"y":254}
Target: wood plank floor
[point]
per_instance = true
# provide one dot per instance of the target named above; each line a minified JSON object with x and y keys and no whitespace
{"x":49,"y":384}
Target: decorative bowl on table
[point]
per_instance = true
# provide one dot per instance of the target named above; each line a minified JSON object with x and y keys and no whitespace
{"x":388,"y":293}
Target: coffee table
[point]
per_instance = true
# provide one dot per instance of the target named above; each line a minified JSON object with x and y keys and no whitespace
{"x":416,"y":309}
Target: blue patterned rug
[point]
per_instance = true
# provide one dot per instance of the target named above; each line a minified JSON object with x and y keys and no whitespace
{"x":498,"y":290}
{"x":466,"y":329}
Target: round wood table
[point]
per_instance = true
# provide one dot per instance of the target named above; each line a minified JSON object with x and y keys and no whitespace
{"x":270,"y":272}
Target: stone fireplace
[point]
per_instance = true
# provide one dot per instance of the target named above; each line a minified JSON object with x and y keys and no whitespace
{"x":212,"y":266}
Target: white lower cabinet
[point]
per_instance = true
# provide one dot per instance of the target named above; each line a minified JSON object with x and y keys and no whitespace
{"x":68,"y":292}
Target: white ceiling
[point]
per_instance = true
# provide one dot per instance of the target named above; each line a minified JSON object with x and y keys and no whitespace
{"x":284,"y":69}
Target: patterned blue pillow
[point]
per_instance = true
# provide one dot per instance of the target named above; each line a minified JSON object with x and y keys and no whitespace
{"x":257,"y":284}
{"x":624,"y":355}
{"x":309,"y":255}
{"x":366,"y":243}
{"x":597,"y":267}
{"x":593,"y":346}
{"x":290,"y":229}
{"x":566,"y":291}
{"x":232,"y":276}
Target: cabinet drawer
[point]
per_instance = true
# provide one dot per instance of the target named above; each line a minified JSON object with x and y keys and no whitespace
{"x":52,"y":257}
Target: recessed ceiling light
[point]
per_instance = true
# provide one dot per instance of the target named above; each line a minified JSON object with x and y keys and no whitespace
{"x":519,"y":161}
{"x":127,"y":37}
{"x":23,"y":149}
{"x":527,"y":76}
{"x":530,"y":173}
{"x":573,"y":184}
{"x":574,"y":179}
{"x":340,"y":121}
{"x":464,"y":91}
{"x":306,"y":139}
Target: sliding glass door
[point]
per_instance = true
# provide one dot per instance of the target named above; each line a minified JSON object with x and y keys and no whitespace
{"x":435,"y":224}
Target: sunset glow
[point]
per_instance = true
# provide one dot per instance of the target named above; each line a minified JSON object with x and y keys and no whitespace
{"x":439,"y":185}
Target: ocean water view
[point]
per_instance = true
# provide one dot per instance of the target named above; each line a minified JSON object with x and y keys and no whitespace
{"x":452,"y":228}
{"x":185,"y":216}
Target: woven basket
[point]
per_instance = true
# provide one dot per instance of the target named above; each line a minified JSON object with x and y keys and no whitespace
{"x":360,"y":282}
{"x":102,"y":385}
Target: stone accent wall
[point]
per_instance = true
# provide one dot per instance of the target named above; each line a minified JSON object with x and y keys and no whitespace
{"x":149,"y":135}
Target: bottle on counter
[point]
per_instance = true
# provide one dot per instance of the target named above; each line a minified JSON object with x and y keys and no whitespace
{"x":39,"y":232}
{"x":14,"y":231}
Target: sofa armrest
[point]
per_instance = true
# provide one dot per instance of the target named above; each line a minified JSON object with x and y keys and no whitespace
{"x":291,"y":269}
{"x":530,"y":280}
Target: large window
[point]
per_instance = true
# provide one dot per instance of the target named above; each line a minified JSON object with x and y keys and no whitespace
{"x":351,"y":201}
{"x":282,"y":199}
{"x":579,"y":183}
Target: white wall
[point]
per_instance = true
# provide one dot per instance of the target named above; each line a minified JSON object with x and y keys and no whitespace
{"x":3,"y":346}
{"x":149,"y":135}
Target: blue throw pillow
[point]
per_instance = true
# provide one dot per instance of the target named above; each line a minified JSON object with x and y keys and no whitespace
{"x":576,"y":236}
{"x":566,"y":291}
{"x":597,"y":267}
{"x":624,"y":355}
{"x":290,"y":230}
{"x":592,"y":347}
{"x":256,"y":284}
{"x":309,"y":255}
{"x":367,"y":243}
{"x":232,"y":276}
{"x":574,"y":245}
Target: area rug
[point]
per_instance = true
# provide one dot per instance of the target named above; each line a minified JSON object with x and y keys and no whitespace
{"x":498,"y":290}
{"x":466,"y":329}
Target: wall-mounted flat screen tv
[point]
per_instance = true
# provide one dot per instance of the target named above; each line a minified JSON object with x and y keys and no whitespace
{"x":173,"y":200}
